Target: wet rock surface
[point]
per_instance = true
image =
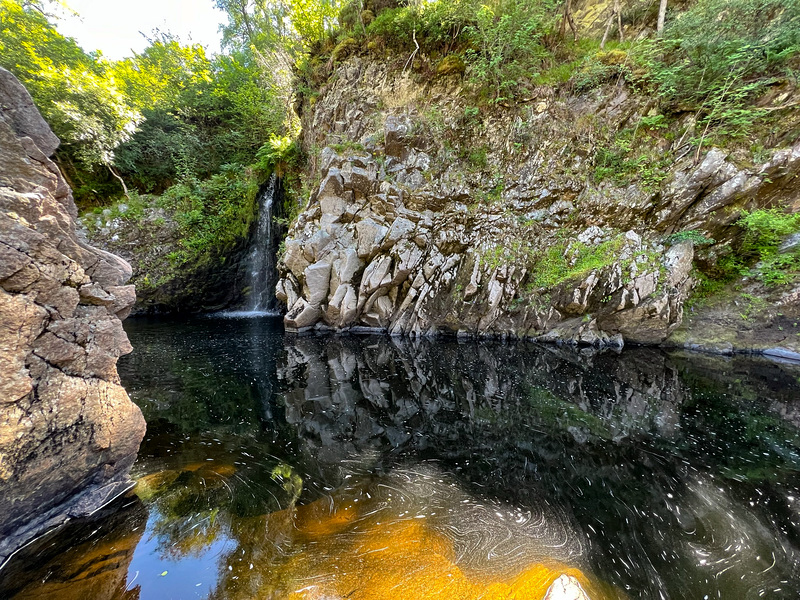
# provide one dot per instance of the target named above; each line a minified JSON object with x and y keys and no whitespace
{"x":68,"y":431}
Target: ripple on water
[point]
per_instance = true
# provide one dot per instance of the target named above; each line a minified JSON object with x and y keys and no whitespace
{"x":414,"y":530}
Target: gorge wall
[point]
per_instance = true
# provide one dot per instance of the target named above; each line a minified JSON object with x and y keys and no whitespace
{"x":68,"y":431}
{"x":433,"y":216}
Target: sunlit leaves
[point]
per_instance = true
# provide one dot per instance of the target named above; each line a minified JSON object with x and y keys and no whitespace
{"x":76,"y":92}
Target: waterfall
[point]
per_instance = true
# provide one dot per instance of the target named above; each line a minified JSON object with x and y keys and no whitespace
{"x":261,"y":262}
{"x":261,"y":274}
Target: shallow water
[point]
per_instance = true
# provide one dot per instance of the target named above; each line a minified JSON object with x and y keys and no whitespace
{"x":366,"y":467}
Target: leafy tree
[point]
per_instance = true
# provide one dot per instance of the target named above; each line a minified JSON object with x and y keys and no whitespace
{"x":75,"y":91}
{"x":268,"y":26}
{"x":157,"y":77}
{"x":507,"y":42}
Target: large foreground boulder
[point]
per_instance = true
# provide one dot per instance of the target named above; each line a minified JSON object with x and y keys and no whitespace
{"x":68,"y":431}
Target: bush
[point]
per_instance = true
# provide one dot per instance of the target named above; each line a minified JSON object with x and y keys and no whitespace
{"x":214,"y":214}
{"x":720,"y":54}
{"x":691,"y":235}
{"x":765,"y":229}
{"x":600,"y":68}
{"x":452,"y":64}
{"x":507,"y":44}
{"x":345,"y":48}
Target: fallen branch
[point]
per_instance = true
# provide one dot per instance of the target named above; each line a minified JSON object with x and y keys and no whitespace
{"x":122,"y":181}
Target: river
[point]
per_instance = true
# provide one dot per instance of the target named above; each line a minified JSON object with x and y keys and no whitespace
{"x":314,"y":467}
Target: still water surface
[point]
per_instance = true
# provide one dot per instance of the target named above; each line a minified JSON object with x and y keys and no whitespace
{"x":368,"y":468}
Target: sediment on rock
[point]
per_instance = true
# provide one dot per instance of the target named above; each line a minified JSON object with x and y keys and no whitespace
{"x":68,"y":431}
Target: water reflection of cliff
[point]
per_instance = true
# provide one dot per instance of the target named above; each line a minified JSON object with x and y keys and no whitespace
{"x":630,"y":446}
{"x":662,"y":475}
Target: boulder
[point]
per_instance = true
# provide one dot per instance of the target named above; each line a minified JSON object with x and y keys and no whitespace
{"x":395,"y":132}
{"x":317,"y":277}
{"x":68,"y":431}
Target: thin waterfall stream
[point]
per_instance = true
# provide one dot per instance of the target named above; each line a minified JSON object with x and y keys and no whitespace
{"x":261,"y":268}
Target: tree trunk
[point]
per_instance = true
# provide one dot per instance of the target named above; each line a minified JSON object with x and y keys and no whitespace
{"x":662,"y":15}
{"x":121,"y":180}
{"x":566,"y":18}
{"x":619,"y":20}
{"x":606,"y":32}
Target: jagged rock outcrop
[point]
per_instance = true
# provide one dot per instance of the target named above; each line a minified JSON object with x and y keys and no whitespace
{"x":517,"y":239}
{"x":68,"y":431}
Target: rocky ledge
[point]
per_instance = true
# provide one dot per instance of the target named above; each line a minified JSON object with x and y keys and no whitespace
{"x":68,"y":431}
{"x":512,"y":237}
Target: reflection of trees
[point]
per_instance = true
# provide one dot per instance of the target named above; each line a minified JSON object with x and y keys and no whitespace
{"x":190,"y":508}
{"x":207,"y":390}
{"x":199,"y":376}
{"x":656,"y":459}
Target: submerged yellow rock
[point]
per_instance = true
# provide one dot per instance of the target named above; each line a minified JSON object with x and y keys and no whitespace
{"x":346,"y":550}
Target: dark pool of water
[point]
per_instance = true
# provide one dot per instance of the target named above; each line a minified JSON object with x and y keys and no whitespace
{"x":327,"y":467}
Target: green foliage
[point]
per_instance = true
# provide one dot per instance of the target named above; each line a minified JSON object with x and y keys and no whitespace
{"x":759,"y":256}
{"x":767,"y":227}
{"x":165,"y":150}
{"x":507,"y":44}
{"x":602,"y":67}
{"x":161,"y":74}
{"x":477,"y":157}
{"x":563,"y":261}
{"x":626,"y":161}
{"x":752,"y":306}
{"x":720,"y":54}
{"x":764,"y":231}
{"x":344,"y":49}
{"x":201,"y":114}
{"x":76,"y":92}
{"x":502,"y":42}
{"x":290,"y":26}
{"x":452,"y":64}
{"x":213,"y":215}
{"x":279,"y":155}
{"x":690,"y":235}
{"x":290,"y":481}
{"x":167,"y":115}
{"x":87,"y":113}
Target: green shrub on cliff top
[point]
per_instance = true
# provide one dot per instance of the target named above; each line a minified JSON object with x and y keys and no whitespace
{"x":502,"y":41}
{"x":720,"y":54}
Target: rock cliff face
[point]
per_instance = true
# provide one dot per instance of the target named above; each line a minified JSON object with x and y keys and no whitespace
{"x":68,"y":431}
{"x":146,"y":243}
{"x":407,"y":234}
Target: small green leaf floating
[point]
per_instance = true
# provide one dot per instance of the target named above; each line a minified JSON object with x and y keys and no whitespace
{"x":164,"y":573}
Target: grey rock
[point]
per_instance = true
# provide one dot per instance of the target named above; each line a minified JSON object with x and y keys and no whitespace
{"x":396,"y":130}
{"x":317,"y":278}
{"x":17,"y":106}
{"x":68,"y":431}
